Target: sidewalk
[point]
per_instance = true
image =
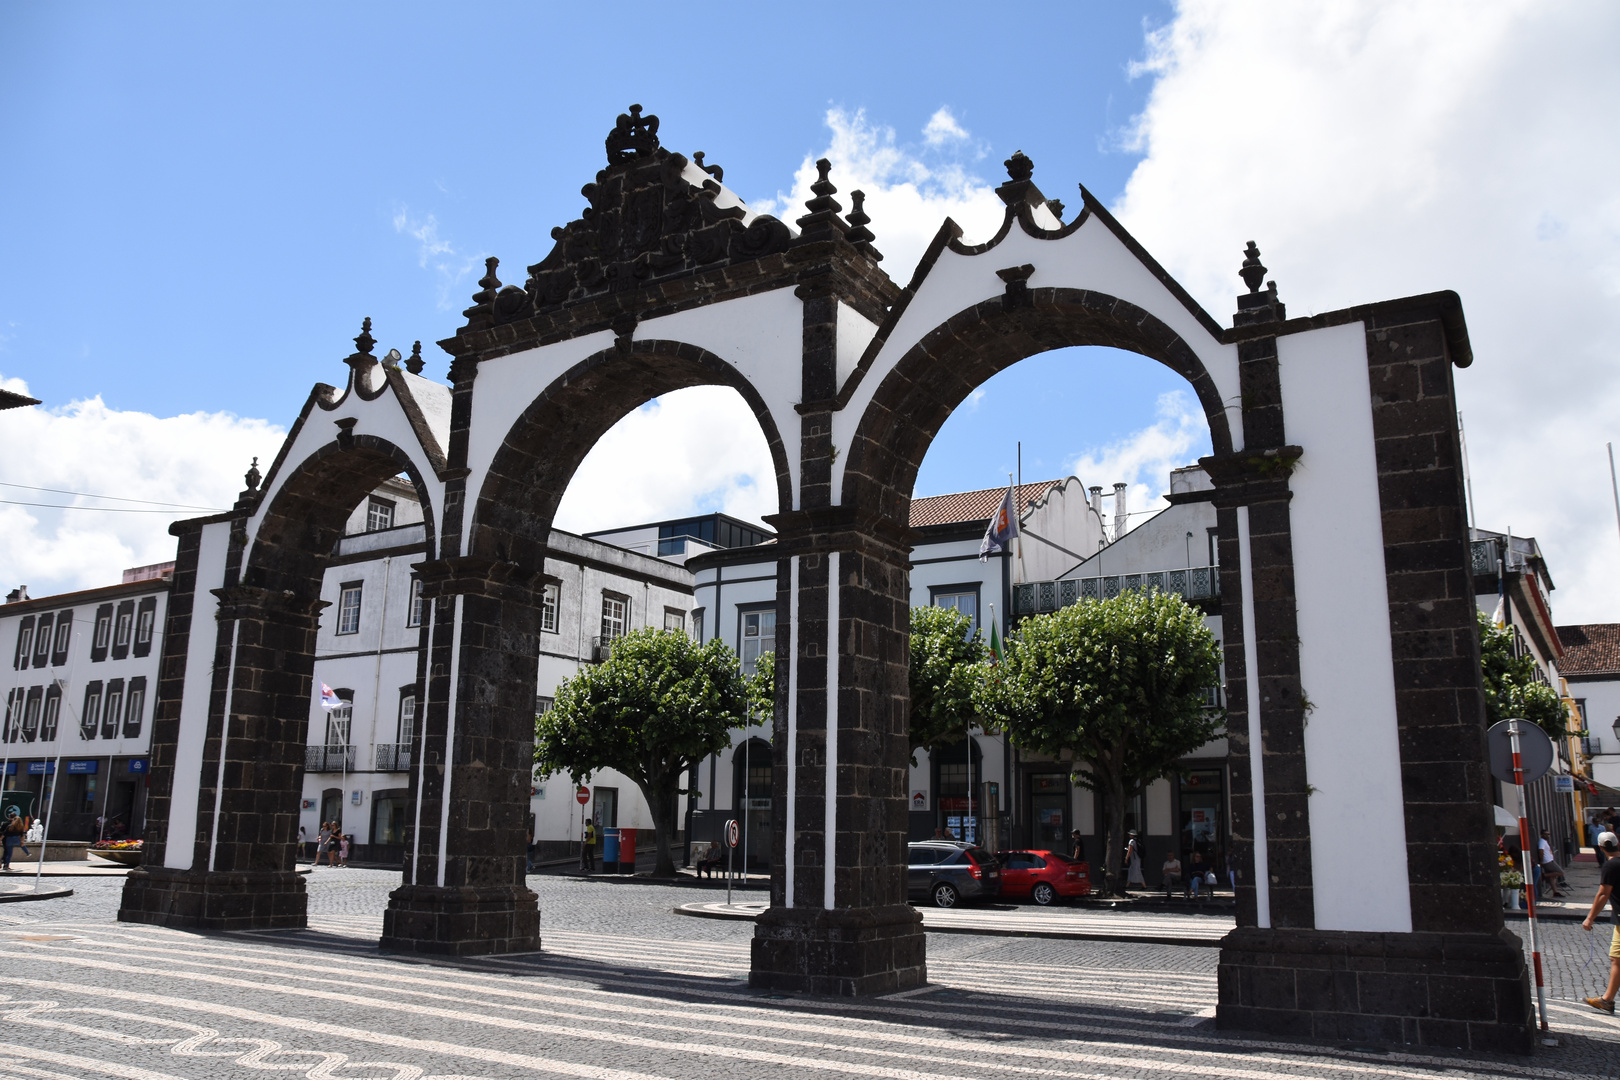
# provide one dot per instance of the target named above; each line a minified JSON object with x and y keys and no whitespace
{"x":1582,"y":884}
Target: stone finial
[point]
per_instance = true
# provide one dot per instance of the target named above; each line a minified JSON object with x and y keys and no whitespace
{"x":365,"y":342}
{"x":1253,"y":270}
{"x":414,"y":362}
{"x":252,"y":477}
{"x":1056,"y":206}
{"x":489,"y":284}
{"x":713,"y":170}
{"x":633,"y":136}
{"x":822,"y":220}
{"x":1019,"y":166}
{"x":1019,"y":188}
{"x":859,"y":234}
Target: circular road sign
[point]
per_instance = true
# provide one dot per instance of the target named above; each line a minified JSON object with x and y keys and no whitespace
{"x":1535,"y":751}
{"x":732,"y":833}
{"x":583,"y":795}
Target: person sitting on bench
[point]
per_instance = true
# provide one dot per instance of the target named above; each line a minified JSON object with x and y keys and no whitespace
{"x":712,"y":860}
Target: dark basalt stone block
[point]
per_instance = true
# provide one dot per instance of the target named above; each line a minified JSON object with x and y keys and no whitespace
{"x":200,"y":900}
{"x":844,"y":952}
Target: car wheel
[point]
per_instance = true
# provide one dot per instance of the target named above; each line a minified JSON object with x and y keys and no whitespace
{"x":1043,"y":893}
{"x":945,"y":895}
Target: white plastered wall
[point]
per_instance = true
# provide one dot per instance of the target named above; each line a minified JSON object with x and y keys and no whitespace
{"x":1091,"y":257}
{"x":1352,"y":744}
{"x":180,"y":845}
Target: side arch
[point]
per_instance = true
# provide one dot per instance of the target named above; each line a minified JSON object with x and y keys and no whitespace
{"x":543,"y":448}
{"x":921,"y":390}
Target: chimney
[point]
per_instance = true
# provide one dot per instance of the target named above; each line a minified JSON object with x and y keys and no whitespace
{"x":1096,"y":501}
{"x":1122,"y":520}
{"x":17,"y":595}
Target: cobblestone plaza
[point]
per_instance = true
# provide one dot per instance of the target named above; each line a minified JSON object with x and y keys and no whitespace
{"x":624,"y":988}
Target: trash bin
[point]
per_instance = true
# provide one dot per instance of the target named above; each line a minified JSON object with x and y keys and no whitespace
{"x":610,"y":851}
{"x":627,"y":851}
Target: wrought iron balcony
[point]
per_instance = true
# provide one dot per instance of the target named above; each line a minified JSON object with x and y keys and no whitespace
{"x":393,"y":757}
{"x":329,"y":759}
{"x":1191,"y":583}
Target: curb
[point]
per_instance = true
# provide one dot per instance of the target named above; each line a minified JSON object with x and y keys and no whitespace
{"x":697,"y":911}
{"x":46,"y":894}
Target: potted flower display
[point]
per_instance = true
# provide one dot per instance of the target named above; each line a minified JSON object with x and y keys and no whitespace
{"x":1512,"y":883}
{"x":122,"y":852}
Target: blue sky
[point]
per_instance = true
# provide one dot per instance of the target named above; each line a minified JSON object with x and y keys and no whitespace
{"x":200,"y":203}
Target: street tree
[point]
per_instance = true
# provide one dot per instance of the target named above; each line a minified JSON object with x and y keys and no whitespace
{"x":1512,"y":690}
{"x":658,"y":705}
{"x":1117,"y":685}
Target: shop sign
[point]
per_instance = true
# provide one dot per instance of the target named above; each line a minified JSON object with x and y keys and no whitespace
{"x":41,"y":768}
{"x":137,"y":765}
{"x":308,"y":804}
{"x":919,"y":800}
{"x":1564,"y":785}
{"x":11,"y":768}
{"x":356,"y":797}
{"x":82,"y":768}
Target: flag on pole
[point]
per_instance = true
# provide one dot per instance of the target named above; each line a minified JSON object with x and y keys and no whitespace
{"x":329,"y":698}
{"x":996,"y":654}
{"x":1002,"y":529}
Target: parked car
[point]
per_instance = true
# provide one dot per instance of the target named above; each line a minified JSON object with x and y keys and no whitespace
{"x":1042,"y":876}
{"x":948,"y":872}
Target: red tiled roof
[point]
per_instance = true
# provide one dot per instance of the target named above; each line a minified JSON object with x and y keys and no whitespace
{"x":1590,"y":649}
{"x":966,"y":506}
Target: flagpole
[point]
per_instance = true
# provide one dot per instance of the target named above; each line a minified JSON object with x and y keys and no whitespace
{"x":1018,"y":530}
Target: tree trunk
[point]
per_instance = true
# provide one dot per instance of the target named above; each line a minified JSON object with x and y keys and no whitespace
{"x":662,"y":801}
{"x":1114,"y":842}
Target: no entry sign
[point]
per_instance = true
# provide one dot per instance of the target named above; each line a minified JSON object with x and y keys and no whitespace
{"x":583,"y":795}
{"x":731,"y":833}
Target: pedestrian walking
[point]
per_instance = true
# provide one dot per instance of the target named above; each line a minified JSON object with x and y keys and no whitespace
{"x":1608,"y":893}
{"x":303,"y":841}
{"x":1133,"y":863}
{"x":1172,"y":874}
{"x":325,"y":842}
{"x":343,"y":849}
{"x":587,"y":850}
{"x":1077,"y":845}
{"x":16,"y":830}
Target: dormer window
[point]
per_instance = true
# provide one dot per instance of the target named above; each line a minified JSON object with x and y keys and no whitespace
{"x":379,"y":514}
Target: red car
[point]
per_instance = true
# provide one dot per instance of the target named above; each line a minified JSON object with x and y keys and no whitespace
{"x":1042,"y":876}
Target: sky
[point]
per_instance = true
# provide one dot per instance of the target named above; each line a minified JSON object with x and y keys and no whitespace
{"x":201,"y":202}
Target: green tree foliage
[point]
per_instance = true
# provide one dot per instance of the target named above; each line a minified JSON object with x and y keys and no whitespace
{"x":1511,"y":688}
{"x":658,"y":705}
{"x":1119,"y":684}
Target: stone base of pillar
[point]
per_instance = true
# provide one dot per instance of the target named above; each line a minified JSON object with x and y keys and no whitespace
{"x":1465,"y":991}
{"x":219,"y":900}
{"x":462,"y":921}
{"x":846,"y":952}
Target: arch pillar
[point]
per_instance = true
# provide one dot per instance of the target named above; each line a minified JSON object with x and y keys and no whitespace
{"x":463,"y":892}
{"x":839,"y":922}
{"x":242,"y":870}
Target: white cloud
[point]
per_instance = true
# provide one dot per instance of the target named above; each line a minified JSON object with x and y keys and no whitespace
{"x":943,"y":128}
{"x":1143,"y":459}
{"x":196,"y":460}
{"x":907,"y":198}
{"x":435,"y":253}
{"x":692,"y":451}
{"x":1376,"y":150}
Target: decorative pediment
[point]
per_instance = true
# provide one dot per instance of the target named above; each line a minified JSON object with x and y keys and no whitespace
{"x":650,"y":218}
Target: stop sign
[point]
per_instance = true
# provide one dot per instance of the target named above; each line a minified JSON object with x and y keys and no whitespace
{"x":583,"y":795}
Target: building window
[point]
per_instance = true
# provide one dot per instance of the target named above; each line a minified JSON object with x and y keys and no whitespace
{"x":111,"y":708}
{"x":349,"y":608}
{"x":14,"y":702}
{"x":542,"y":705}
{"x":338,"y":721}
{"x":379,"y":515}
{"x":615,"y":617}
{"x":697,"y":625}
{"x":960,"y":598}
{"x":145,"y":619}
{"x":30,"y":724}
{"x":407,"y":716}
{"x":758,"y":636}
{"x":550,"y":597}
{"x":91,"y":714}
{"x":123,"y":627}
{"x":134,"y":711}
{"x":64,"y":638}
{"x":25,"y":643}
{"x":415,"y":616}
{"x":52,"y":716}
{"x":42,"y":641}
{"x":675,"y":619}
{"x":102,"y":637}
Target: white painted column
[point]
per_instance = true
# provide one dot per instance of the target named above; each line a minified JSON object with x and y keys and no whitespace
{"x":830,"y":758}
{"x":791,"y":815}
{"x":179,"y":848}
{"x":1251,"y":682}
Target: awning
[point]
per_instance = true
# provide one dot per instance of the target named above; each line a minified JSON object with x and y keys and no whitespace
{"x":1505,"y":820}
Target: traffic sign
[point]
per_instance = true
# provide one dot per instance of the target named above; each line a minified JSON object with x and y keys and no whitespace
{"x":1535,"y":751}
{"x":731,"y":833}
{"x":583,"y":795}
